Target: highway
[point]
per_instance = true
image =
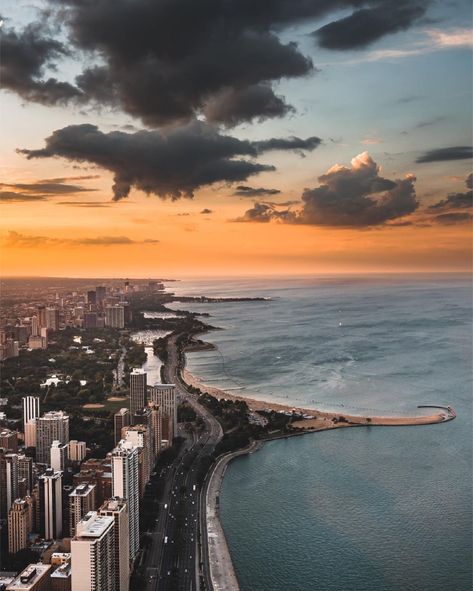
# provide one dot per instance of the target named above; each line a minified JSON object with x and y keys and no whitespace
{"x":173,"y":561}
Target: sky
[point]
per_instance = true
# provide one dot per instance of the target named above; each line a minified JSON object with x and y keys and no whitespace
{"x":173,"y":137}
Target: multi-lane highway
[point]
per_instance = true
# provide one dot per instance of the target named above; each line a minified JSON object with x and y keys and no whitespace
{"x":174,"y":560}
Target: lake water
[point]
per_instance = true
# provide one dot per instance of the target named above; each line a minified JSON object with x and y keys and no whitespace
{"x":375,"y":509}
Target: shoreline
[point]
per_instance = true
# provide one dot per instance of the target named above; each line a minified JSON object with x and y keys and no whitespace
{"x":323,"y":420}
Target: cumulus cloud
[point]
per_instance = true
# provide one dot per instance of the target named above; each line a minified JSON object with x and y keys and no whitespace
{"x":206,"y":211}
{"x":355,"y":196}
{"x":245,"y":191}
{"x":26,"y":55}
{"x":18,"y":240}
{"x":172,"y":163}
{"x":446,"y":154}
{"x":164,"y":61}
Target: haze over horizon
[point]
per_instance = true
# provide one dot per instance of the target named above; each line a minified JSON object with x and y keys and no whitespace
{"x":284,"y":137}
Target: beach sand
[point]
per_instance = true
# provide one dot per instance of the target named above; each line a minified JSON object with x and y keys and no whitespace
{"x":322,"y":419}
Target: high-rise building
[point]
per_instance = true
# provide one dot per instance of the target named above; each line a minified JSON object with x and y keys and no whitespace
{"x":120,"y":419}
{"x":35,"y":577}
{"x":30,"y":433}
{"x":118,"y":509}
{"x":58,"y":456}
{"x":8,"y":481}
{"x":90,"y":320}
{"x":91,"y":297}
{"x":61,"y":578}
{"x":52,"y":318}
{"x":50,"y":504}
{"x":93,"y":554}
{"x":125,"y":481}
{"x":139,"y":436}
{"x":9,"y":440}
{"x":52,"y":426}
{"x":34,"y":326}
{"x":20,"y":524}
{"x":30,"y":408}
{"x":25,"y":473}
{"x":77,"y":450}
{"x":164,"y":395}
{"x":115,"y":316}
{"x":42,"y":316}
{"x":100,"y":294}
{"x":156,"y":426}
{"x":81,"y":501}
{"x":137,"y":390}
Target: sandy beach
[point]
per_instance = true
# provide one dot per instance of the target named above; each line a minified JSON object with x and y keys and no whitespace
{"x":322,"y":419}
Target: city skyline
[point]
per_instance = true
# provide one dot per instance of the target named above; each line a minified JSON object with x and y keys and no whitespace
{"x":351,"y":154}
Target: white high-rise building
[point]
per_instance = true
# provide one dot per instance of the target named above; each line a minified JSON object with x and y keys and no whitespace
{"x":164,"y":395}
{"x":138,"y":379}
{"x":125,"y":485}
{"x":93,"y":554}
{"x":30,"y":408}
{"x":52,"y":426}
{"x":50,"y":504}
{"x":58,"y":456}
{"x":118,"y":509}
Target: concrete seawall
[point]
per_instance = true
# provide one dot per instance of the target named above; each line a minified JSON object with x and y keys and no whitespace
{"x":222,"y":572}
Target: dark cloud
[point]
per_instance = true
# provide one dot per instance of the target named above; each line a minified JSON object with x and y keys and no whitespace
{"x":353,"y":197}
{"x":16,"y":239}
{"x":295,"y":144}
{"x":450,"y":219}
{"x":429,"y":122}
{"x":446,"y":154}
{"x":168,"y":61}
{"x":26,"y":56}
{"x":13,"y":197}
{"x":245,"y":191}
{"x":234,"y":106}
{"x":172,"y":163}
{"x":266,"y":212}
{"x":366,"y":25}
{"x":456,"y":200}
{"x":206,"y":211}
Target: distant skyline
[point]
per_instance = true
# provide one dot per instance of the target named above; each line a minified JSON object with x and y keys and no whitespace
{"x":220,"y":138}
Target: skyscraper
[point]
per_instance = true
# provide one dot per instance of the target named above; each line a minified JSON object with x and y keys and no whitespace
{"x":50,"y":504}
{"x":53,"y":425}
{"x":52,"y":318}
{"x":8,"y":481}
{"x":20,"y":524}
{"x":9,"y":440}
{"x":120,"y":419}
{"x":30,"y":408}
{"x":115,"y":316}
{"x":58,"y":456}
{"x":137,"y":390}
{"x":81,"y":501}
{"x":156,"y":426}
{"x":125,"y":483}
{"x":139,"y":436}
{"x":93,"y":554}
{"x":100,"y":293}
{"x":118,"y":509}
{"x":164,"y":395}
{"x":25,"y":473}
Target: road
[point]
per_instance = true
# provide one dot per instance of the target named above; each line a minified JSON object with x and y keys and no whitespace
{"x":173,"y":561}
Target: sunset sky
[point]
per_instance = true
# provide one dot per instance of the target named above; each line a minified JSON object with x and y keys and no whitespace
{"x":150,"y":138}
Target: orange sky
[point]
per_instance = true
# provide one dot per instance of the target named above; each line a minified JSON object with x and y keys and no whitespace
{"x":46,"y":238}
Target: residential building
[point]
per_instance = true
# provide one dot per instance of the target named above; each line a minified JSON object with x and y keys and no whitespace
{"x":50,"y":504}
{"x":20,"y":524}
{"x":52,"y":426}
{"x":138,"y":389}
{"x":118,"y":509}
{"x":81,"y":501}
